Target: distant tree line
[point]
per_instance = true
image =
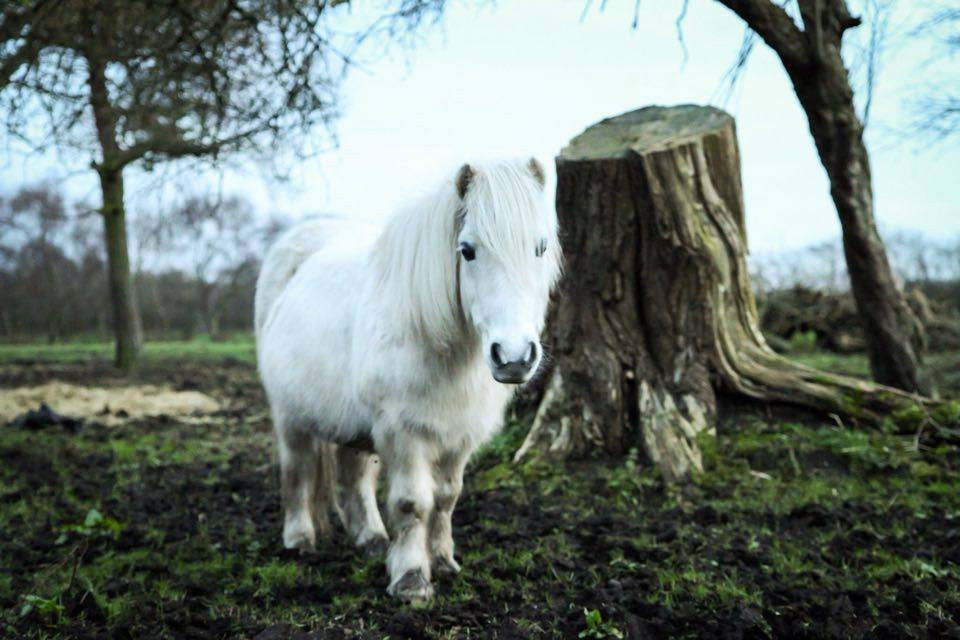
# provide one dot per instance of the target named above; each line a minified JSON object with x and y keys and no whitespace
{"x":806,"y":292}
{"x":916,"y":259}
{"x":195,"y":267}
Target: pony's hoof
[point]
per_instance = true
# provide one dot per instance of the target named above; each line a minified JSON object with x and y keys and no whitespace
{"x":445,"y":565}
{"x":299,"y":541}
{"x":375,"y":546}
{"x":412,"y":587}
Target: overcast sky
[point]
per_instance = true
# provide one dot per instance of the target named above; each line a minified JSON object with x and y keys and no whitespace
{"x":523,"y":77}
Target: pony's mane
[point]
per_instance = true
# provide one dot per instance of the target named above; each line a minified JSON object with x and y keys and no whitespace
{"x":415,"y":258}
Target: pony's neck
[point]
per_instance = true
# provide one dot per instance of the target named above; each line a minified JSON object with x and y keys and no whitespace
{"x":414,"y":265}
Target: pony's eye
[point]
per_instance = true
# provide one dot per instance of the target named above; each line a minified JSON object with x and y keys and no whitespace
{"x":541,"y":247}
{"x":468,"y":252}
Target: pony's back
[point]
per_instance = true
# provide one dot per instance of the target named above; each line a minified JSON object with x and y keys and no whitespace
{"x":283,"y":259}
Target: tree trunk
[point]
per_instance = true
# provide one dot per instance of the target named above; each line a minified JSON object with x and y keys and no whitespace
{"x":126,"y":321}
{"x":655,"y":311}
{"x":893,"y":335}
{"x":208,"y":307}
{"x":813,"y":59}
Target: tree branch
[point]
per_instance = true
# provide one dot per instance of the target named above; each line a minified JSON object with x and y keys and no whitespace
{"x":775,"y":26}
{"x":25,"y":55}
{"x":172,"y":146}
{"x":15,"y":22}
{"x":845,"y":20}
{"x":826,"y":18}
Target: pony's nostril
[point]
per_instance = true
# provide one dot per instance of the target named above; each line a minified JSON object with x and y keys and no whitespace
{"x":532,"y":354}
{"x":495,"y":354}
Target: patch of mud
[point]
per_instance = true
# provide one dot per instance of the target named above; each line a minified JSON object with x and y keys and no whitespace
{"x":109,"y":405}
{"x":236,"y":506}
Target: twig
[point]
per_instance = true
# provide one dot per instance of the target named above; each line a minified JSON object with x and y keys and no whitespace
{"x":679,"y":25}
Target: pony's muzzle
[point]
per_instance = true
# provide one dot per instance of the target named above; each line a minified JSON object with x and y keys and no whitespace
{"x":513,"y":371}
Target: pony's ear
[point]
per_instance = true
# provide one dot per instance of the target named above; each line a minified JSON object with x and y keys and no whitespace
{"x":536,"y":169}
{"x":464,"y":178}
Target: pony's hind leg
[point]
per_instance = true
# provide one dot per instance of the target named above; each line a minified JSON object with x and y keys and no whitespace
{"x":448,"y":482}
{"x":324,"y":486}
{"x":306,"y":479}
{"x":358,"y":471}
{"x":409,"y":505}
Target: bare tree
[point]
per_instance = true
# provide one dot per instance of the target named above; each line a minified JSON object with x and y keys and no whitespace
{"x":809,"y":47}
{"x":145,"y":81}
{"x":41,"y":254}
{"x":215,"y":237}
{"x":913,"y":256}
{"x":939,"y":108}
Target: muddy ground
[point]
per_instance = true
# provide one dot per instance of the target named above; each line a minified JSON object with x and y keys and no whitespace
{"x":169,"y":527}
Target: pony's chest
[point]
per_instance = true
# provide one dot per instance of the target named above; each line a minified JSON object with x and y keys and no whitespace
{"x":464,"y":404}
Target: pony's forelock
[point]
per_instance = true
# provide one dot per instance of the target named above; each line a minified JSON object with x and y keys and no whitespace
{"x":507,"y":211}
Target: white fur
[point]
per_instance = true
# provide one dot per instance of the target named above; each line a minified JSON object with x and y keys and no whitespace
{"x":387,"y":334}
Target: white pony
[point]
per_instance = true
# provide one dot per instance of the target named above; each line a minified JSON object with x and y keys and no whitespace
{"x":403,"y":345}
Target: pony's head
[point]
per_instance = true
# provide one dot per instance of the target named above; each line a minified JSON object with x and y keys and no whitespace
{"x":508,"y":259}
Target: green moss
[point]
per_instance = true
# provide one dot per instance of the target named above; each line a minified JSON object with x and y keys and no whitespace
{"x":947,"y":414}
{"x":909,"y":418}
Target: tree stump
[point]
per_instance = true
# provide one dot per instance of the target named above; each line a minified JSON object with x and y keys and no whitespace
{"x":655,"y":311}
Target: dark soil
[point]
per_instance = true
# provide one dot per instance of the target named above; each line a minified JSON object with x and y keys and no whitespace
{"x":167,"y":529}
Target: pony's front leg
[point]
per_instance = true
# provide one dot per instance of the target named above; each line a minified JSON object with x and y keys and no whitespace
{"x":448,"y":482}
{"x":409,"y":505}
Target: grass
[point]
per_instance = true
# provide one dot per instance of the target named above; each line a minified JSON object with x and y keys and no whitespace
{"x":238,"y":346}
{"x":849,"y":364}
{"x":941,"y":371}
{"x":159,"y":529}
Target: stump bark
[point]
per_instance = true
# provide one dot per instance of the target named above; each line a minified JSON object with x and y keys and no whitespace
{"x":655,"y":312}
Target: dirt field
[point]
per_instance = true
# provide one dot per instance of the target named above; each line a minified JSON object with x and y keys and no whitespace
{"x":168,"y":526}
